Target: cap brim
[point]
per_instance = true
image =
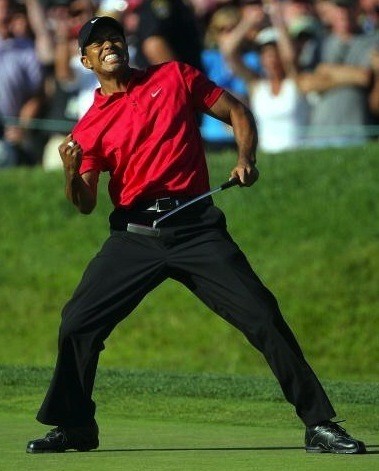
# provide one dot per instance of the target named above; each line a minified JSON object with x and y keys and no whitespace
{"x":91,"y":25}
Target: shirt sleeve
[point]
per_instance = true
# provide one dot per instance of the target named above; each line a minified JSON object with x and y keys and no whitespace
{"x":90,"y":159}
{"x":203,"y":91}
{"x":91,"y":163}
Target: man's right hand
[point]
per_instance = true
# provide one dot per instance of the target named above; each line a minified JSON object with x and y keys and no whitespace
{"x":246,"y":173}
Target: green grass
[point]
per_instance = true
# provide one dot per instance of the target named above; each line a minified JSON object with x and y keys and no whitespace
{"x":309,"y":228}
{"x":194,"y":422}
{"x":148,"y":445}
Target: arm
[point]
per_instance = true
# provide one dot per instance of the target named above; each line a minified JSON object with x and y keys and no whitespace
{"x":38,"y":22}
{"x":231,"y":111}
{"x":345,"y":74}
{"x":328,"y":76}
{"x":30,"y":108}
{"x":285,"y":44}
{"x":63,"y":70}
{"x":230,"y":46}
{"x":374,"y":93}
{"x":81,"y":190}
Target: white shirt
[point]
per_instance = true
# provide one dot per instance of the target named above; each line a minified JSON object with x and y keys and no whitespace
{"x":281,"y":119}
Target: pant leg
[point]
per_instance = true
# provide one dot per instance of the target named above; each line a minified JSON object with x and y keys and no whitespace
{"x":114,"y":282}
{"x":216,"y":271}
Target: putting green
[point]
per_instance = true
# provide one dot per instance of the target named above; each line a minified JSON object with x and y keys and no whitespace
{"x":156,"y":445}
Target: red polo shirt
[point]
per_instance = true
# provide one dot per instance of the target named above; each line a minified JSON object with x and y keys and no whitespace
{"x":148,"y":138}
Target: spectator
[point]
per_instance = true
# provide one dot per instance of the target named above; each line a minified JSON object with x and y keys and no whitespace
{"x":216,"y":134}
{"x":280,"y":108}
{"x":294,"y":9}
{"x":374,"y":93}
{"x":73,"y":85}
{"x":324,"y":11}
{"x":341,"y":81}
{"x":167,"y":31}
{"x":205,"y":7}
{"x":369,"y":15}
{"x":19,"y":26}
{"x":21,"y":89}
{"x":305,"y":28}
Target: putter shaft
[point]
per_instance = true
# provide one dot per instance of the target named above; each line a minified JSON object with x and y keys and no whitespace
{"x":154,"y":231}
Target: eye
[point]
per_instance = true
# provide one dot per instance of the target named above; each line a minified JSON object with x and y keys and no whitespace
{"x":95,"y":43}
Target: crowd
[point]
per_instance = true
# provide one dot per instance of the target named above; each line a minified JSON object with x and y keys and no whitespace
{"x":309,"y":69}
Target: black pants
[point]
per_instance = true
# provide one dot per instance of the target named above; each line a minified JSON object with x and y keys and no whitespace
{"x":195,"y":249}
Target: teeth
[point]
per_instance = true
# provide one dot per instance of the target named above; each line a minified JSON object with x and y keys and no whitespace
{"x":110,"y":57}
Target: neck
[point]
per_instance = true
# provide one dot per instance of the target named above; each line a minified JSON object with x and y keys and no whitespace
{"x":115,"y":83}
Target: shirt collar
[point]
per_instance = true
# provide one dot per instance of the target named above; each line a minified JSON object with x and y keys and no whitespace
{"x":101,"y":101}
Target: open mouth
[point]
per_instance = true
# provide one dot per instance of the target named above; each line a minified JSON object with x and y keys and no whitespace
{"x":112,"y":58}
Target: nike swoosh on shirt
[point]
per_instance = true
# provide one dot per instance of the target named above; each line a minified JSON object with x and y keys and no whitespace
{"x":154,"y":94}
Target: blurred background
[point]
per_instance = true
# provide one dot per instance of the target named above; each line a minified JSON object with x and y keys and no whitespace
{"x":308,"y":69}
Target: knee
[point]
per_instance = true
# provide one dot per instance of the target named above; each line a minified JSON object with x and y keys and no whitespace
{"x":75,"y":330}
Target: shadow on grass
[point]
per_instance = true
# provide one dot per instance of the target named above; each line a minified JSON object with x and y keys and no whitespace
{"x":259,"y":448}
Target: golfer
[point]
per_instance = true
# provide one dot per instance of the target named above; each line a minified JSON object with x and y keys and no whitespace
{"x":142,"y":129}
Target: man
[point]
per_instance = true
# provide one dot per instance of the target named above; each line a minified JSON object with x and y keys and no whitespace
{"x":341,"y":83}
{"x":21,"y":92}
{"x":142,"y":128}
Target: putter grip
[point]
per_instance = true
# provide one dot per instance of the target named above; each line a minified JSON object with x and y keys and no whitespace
{"x":229,"y":183}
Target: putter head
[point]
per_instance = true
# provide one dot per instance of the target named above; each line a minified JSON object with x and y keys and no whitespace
{"x":142,"y":230}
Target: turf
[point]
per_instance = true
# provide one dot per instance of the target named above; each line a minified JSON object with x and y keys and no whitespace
{"x":169,"y":421}
{"x":170,"y":445}
{"x":309,"y":228}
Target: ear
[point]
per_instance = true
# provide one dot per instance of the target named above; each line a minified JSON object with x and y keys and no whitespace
{"x":86,"y":62}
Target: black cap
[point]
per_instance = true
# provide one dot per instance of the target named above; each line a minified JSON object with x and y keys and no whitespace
{"x":96,"y":21}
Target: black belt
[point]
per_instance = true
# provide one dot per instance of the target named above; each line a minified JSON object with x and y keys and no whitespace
{"x":161,"y":204}
{"x":165,"y":204}
{"x":145,"y":212}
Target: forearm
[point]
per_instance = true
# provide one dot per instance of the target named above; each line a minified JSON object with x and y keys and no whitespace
{"x":231,"y":111}
{"x":285,"y":44}
{"x":341,"y":75}
{"x":43,"y":38}
{"x":80,"y":189}
{"x":230,"y":47}
{"x":238,"y":67}
{"x":79,"y":192}
{"x":237,"y":36}
{"x":328,"y":76}
{"x":245,"y":133}
{"x":30,"y":109}
{"x":373,"y":99}
{"x":63,"y":71}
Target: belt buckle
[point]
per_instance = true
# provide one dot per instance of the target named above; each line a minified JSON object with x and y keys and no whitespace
{"x":164,"y":204}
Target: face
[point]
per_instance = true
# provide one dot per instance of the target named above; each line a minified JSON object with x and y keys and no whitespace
{"x":271,"y":61}
{"x":343,"y":19}
{"x":106,"y":52}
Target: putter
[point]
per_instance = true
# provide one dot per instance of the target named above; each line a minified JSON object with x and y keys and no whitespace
{"x":154,"y":231}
